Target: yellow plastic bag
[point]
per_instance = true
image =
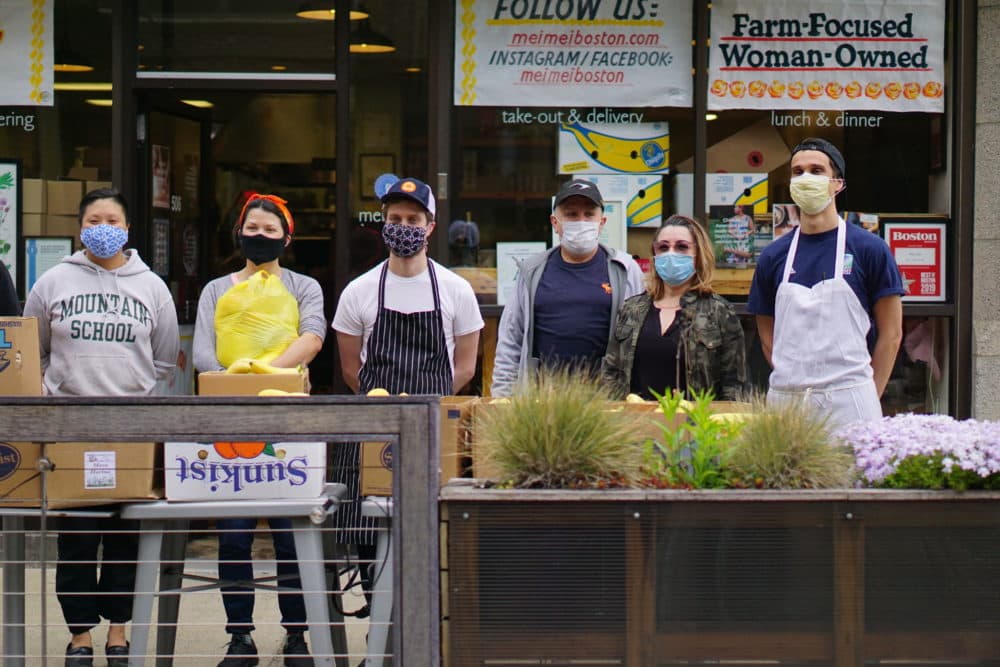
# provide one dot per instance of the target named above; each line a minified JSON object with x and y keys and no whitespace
{"x":255,"y":319}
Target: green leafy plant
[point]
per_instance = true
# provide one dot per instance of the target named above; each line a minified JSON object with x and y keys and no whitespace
{"x":788,"y":445}
{"x":695,"y":450}
{"x":6,"y":180}
{"x":559,"y":432}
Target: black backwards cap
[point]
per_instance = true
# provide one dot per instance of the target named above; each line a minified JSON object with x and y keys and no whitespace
{"x":579,"y":188}
{"x":825,"y":147}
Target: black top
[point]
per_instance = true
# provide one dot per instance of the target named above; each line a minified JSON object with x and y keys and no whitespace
{"x":9,"y":304}
{"x":657,"y":357}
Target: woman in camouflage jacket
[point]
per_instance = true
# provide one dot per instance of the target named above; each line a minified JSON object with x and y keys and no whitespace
{"x":679,"y":334}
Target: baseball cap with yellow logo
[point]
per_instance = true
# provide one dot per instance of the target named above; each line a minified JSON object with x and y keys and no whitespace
{"x":414,"y":190}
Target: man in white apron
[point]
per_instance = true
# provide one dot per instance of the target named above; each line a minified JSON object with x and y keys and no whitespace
{"x":816,"y":293}
{"x":409,"y":325}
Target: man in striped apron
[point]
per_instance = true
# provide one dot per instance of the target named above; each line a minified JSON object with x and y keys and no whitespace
{"x":409,"y":325}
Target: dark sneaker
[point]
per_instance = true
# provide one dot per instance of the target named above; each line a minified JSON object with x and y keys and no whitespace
{"x":81,"y":656}
{"x":117,"y":655}
{"x":242,"y":652}
{"x":296,"y":651}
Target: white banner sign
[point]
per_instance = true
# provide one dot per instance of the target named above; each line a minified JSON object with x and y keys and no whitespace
{"x":562,"y":53}
{"x":848,"y":55}
{"x":26,"y":53}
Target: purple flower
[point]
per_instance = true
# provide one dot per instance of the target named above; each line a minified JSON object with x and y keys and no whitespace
{"x":880,"y":446}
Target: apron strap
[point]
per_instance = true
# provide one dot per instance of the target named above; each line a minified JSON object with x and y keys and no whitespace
{"x":838,"y":267}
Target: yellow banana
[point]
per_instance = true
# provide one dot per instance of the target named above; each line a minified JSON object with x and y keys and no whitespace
{"x":240,"y":366}
{"x":279,"y":392}
{"x":648,"y":155}
{"x":757,"y":197}
{"x":267,"y":369}
{"x":634,"y":398}
{"x":378,"y":391}
{"x":647,"y":208}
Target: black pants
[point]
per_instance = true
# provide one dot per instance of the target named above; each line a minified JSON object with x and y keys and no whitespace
{"x":84,"y":598}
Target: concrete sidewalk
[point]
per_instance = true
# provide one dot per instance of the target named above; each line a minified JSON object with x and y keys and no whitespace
{"x":201,"y":636}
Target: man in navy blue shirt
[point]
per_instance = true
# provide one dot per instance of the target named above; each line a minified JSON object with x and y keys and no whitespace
{"x":566,"y":299}
{"x":816,"y":294}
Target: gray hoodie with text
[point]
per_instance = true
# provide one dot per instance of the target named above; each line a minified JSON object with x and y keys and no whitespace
{"x":103,"y":333}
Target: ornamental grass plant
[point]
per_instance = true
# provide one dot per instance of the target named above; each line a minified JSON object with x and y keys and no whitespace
{"x":559,"y":432}
{"x":788,"y":445}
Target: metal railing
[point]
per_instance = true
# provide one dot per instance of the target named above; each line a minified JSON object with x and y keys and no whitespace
{"x":409,"y":423}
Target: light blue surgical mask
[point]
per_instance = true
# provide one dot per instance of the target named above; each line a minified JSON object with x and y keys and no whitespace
{"x":674,"y":269}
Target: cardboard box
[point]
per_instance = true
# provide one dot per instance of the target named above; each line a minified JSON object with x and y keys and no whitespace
{"x":63,"y":197}
{"x":244,"y":470}
{"x":220,"y":383}
{"x":454,"y":424}
{"x":90,"y":186}
{"x":61,"y":225}
{"x":20,"y":360}
{"x":84,"y":473}
{"x":33,"y":195}
{"x":82,"y":173}
{"x":32,"y":224}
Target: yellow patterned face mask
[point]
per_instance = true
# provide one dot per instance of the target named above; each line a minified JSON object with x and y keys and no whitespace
{"x":811,"y":192}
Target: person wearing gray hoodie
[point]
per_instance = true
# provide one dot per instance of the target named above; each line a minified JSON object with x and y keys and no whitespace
{"x":107,"y":327}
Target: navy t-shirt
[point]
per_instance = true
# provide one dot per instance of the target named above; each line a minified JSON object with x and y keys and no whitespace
{"x":869,"y":267}
{"x":573,"y":311}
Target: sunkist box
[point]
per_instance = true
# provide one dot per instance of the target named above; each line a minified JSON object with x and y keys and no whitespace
{"x":244,"y":470}
{"x":20,"y":361}
{"x":220,"y":383}
{"x":83,"y":473}
{"x":454,"y":423}
{"x":250,"y":470}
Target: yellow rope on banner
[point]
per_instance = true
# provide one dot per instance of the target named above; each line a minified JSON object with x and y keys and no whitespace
{"x":37,"y":49}
{"x":468,"y":51}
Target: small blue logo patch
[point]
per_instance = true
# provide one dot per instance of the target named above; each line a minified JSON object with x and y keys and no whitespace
{"x":10,"y":460}
{"x":386,"y":456}
{"x":652,"y":155}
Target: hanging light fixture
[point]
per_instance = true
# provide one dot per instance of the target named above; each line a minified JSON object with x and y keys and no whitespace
{"x":323,"y":11}
{"x":366,"y":40}
{"x":68,"y":61}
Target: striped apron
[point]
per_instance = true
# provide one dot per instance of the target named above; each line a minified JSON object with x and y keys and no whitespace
{"x":406,"y":352}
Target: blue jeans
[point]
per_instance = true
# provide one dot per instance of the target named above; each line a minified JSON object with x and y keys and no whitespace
{"x":235,"y":540}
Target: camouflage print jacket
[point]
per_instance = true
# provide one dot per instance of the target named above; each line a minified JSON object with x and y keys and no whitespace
{"x":714,"y":351}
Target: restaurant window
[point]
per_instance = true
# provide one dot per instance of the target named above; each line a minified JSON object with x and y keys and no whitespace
{"x":62,"y":146}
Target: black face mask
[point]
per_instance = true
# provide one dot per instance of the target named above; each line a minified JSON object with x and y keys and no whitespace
{"x":261,"y":249}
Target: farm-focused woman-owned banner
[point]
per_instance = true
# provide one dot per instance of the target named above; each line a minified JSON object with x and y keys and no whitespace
{"x":562,"y":53}
{"x":26,"y":53}
{"x":827,"y":54}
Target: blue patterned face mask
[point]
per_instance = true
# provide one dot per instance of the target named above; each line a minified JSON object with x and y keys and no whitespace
{"x":404,"y":240}
{"x":674,"y":269}
{"x":104,"y":241}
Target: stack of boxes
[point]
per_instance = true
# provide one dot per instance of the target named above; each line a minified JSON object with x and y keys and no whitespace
{"x":50,"y":208}
{"x":84,"y":473}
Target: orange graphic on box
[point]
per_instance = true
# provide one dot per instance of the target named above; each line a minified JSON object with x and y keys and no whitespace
{"x":245,"y":450}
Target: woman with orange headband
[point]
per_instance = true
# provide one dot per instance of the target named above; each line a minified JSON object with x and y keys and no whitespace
{"x":263,"y":231}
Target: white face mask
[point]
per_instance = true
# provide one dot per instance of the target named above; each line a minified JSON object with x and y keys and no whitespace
{"x":580,"y":236}
{"x":811,"y":192}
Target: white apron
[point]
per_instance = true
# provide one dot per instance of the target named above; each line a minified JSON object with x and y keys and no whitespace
{"x":820,"y":352}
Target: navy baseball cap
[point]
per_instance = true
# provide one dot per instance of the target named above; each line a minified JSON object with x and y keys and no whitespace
{"x":825,"y":147}
{"x":414,"y":190}
{"x":579,"y":188}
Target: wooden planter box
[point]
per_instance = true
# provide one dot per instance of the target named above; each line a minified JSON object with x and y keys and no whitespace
{"x":644,"y":578}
